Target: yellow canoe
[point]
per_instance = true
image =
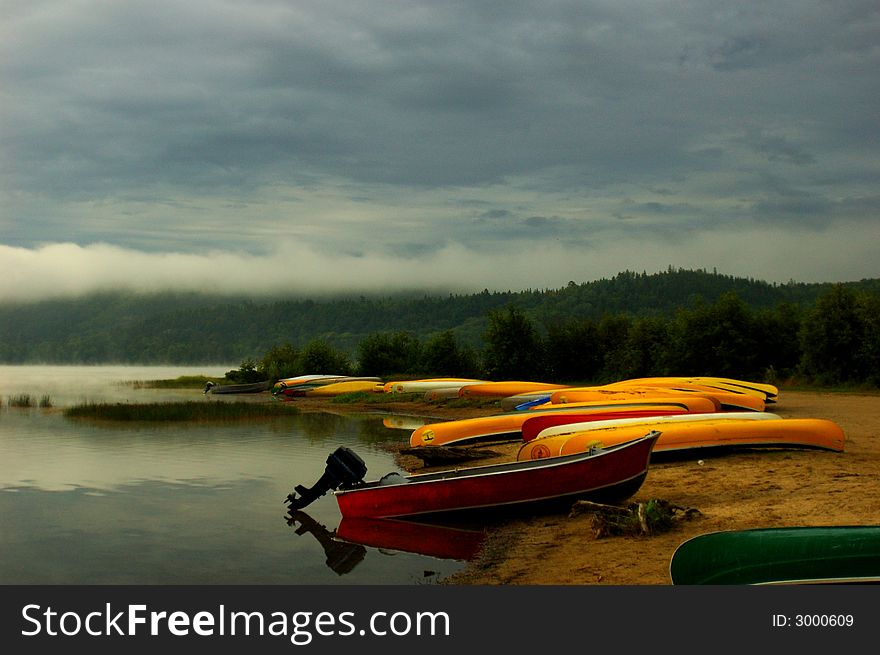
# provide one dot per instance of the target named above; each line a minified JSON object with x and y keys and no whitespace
{"x":339,"y":388}
{"x":685,"y":435}
{"x":427,"y":384}
{"x":504,"y":388}
{"x":766,"y":392}
{"x":650,"y":421}
{"x":509,"y":425}
{"x":691,"y":402}
{"x":727,"y":400}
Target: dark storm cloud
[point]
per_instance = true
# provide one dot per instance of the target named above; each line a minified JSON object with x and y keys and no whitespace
{"x":396,"y":128}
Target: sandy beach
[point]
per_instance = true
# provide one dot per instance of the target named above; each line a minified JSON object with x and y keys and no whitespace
{"x":739,"y":490}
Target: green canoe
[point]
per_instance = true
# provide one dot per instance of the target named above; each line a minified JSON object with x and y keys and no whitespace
{"x":799,"y":555}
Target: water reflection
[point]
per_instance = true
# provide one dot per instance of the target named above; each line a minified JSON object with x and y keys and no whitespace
{"x":344,"y":546}
{"x":86,"y":502}
{"x":341,"y":556}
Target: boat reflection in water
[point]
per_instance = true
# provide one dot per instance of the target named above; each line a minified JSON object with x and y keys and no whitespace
{"x":342,"y":557}
{"x":345,"y":546}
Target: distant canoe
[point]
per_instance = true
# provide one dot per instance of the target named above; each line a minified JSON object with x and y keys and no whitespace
{"x":254,"y":387}
{"x":765,"y":392}
{"x":690,"y":402}
{"x":726,"y":400}
{"x":696,"y":435}
{"x":443,"y":393}
{"x":525,"y":400}
{"x":428,"y":384}
{"x":503,"y":389}
{"x":348,"y":386}
{"x":788,"y":555}
{"x":302,"y":387}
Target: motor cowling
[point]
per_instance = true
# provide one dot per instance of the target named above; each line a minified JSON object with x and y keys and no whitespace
{"x":345,"y":469}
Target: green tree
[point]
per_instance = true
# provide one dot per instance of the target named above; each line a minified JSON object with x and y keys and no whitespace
{"x":613,"y":332}
{"x":319,"y":357}
{"x":572,"y":351}
{"x":513,"y":347}
{"x":646,"y":351}
{"x":869,"y":353}
{"x":280,"y":362}
{"x":832,"y":338}
{"x":443,"y":355}
{"x":385,"y":353}
{"x":719,"y":339}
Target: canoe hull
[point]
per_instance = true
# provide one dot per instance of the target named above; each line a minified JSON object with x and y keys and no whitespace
{"x":253,"y":387}
{"x":722,"y":433}
{"x":508,"y":426}
{"x":560,"y":426}
{"x":796,"y":555}
{"x":608,"y":474}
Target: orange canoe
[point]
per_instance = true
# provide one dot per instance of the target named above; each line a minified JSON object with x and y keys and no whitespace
{"x":506,"y":388}
{"x":508,"y":426}
{"x":677,"y":436}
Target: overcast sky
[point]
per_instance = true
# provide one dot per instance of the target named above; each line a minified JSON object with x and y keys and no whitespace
{"x":282,"y":145}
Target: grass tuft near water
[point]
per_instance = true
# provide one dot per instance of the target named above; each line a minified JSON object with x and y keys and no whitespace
{"x":178,"y":411}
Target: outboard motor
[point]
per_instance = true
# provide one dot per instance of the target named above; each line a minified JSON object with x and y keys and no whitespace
{"x":344,"y":469}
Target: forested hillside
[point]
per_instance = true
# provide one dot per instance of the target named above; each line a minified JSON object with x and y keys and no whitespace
{"x":193,"y":328}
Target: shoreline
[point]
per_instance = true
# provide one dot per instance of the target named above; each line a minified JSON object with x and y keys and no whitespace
{"x":731,"y":491}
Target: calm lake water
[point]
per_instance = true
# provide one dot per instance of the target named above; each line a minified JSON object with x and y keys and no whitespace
{"x":90,"y":503}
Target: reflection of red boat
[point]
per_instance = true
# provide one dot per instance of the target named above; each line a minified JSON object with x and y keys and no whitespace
{"x":440,"y":541}
{"x":608,"y":473}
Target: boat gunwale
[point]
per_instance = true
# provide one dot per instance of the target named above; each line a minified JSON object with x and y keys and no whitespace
{"x":505,"y":468}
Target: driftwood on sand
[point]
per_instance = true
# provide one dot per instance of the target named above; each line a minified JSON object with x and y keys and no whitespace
{"x":645,"y":518}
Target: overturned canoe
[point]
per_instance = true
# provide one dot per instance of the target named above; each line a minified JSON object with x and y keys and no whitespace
{"x":505,"y":388}
{"x":691,"y":402}
{"x":694,"y":435}
{"x":726,"y":400}
{"x":305,"y":386}
{"x":791,"y":555}
{"x":253,"y":387}
{"x":348,"y":386}
{"x":604,"y":474}
{"x":764,"y":392}
{"x":428,"y":384}
{"x":540,"y":427}
{"x":508,"y":426}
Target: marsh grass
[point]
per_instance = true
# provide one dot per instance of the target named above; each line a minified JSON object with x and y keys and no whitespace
{"x":21,"y":400}
{"x":182,"y":382}
{"x":195,"y":411}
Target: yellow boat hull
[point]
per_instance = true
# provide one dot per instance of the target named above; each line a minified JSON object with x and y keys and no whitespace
{"x":509,"y":425}
{"x":339,"y":388}
{"x":684,"y":435}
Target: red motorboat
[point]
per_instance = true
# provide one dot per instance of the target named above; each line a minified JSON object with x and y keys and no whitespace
{"x":605,"y":474}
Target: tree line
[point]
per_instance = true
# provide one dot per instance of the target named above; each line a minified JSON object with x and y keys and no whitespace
{"x":834,"y":341}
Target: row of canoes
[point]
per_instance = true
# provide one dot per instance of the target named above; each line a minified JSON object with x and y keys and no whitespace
{"x":572,"y":419}
{"x":729,"y":393}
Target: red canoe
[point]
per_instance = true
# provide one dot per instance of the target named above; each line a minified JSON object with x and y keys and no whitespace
{"x":608,"y":474}
{"x":535,"y":424}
